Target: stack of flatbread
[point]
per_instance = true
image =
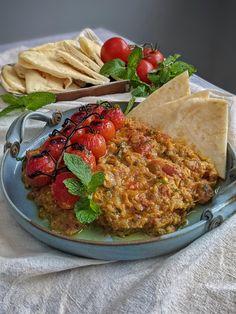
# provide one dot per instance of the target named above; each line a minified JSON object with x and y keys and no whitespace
{"x":55,"y":67}
{"x":196,"y":118}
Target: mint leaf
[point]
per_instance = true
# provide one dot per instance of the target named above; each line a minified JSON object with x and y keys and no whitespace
{"x":74,"y":186}
{"x":86,"y":210}
{"x":10,"y":99}
{"x":10,"y":109}
{"x":130,"y":105}
{"x":135,"y":57}
{"x":77,"y":166}
{"x":37,"y":100}
{"x":96,"y":180}
{"x":115,"y":68}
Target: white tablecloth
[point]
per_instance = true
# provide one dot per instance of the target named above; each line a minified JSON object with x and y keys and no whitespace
{"x":37,"y":279}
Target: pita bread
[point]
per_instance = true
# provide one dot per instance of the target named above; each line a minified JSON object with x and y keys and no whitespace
{"x":200,"y":122}
{"x":20,"y":70}
{"x":78,"y":54}
{"x":11,"y":82}
{"x":37,"y":81}
{"x":176,"y":88}
{"x":53,"y":46}
{"x":91,"y":49}
{"x":46,"y":62}
{"x":167,"y":109}
{"x":65,"y":57}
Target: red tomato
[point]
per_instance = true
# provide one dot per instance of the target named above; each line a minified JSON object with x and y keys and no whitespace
{"x":54,"y":145}
{"x":143,"y":69}
{"x":68,"y":129}
{"x":62,"y":197}
{"x":153,"y":56}
{"x":86,"y":155}
{"x":77,"y":117}
{"x":39,"y":169}
{"x":104,"y":127}
{"x":116,"y":116}
{"x":94,"y":142}
{"x":113,"y":48}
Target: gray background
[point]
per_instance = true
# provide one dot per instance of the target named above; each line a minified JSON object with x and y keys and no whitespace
{"x":202,"y":31}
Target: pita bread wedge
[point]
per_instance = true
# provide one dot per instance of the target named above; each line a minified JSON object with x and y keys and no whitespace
{"x":65,"y":57}
{"x":202,"y":123}
{"x":167,"y":109}
{"x":46,"y":62}
{"x":78,"y":54}
{"x":11,"y":82}
{"x":91,"y":49}
{"x":53,"y":46}
{"x":176,"y":88}
{"x":20,"y":70}
{"x":37,"y":81}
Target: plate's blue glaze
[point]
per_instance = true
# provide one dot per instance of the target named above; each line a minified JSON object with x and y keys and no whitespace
{"x":93,"y":242}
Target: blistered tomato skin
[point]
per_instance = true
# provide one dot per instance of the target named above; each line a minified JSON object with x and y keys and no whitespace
{"x":54,"y":145}
{"x":104,"y":127}
{"x":113,"y":48}
{"x":39,"y":170}
{"x":93,"y":142}
{"x":116,"y":116}
{"x":62,"y":197}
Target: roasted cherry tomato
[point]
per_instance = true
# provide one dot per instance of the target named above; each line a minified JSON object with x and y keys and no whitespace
{"x":113,"y":48}
{"x":104,"y":127}
{"x":84,"y":153}
{"x":95,"y":108}
{"x":54,"y":145}
{"x":143,"y":69}
{"x":153,"y":56}
{"x":62,"y":197}
{"x":94,"y":142}
{"x":68,"y":129}
{"x":39,"y":169}
{"x":116,"y":116}
{"x":78,"y":117}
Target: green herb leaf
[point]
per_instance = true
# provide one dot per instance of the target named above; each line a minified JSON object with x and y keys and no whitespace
{"x":37,"y":100}
{"x":96,"y":180}
{"x":9,"y":109}
{"x":130,"y":105}
{"x":10,"y":99}
{"x":74,"y":186}
{"x":140,"y":91}
{"x":86,"y":210}
{"x":114,"y":68}
{"x":77,"y":166}
{"x":135,"y":57}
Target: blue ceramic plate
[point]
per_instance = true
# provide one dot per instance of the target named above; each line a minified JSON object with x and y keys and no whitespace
{"x":93,"y":242}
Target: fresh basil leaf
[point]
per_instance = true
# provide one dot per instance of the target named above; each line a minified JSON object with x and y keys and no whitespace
{"x":37,"y":100}
{"x":135,"y":57}
{"x":96,"y":180}
{"x":77,"y":166}
{"x":10,"y":109}
{"x":130,"y":105}
{"x":74,"y":186}
{"x":115,"y":67}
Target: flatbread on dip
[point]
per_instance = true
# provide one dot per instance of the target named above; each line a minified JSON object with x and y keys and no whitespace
{"x":201,"y":122}
{"x":176,"y":88}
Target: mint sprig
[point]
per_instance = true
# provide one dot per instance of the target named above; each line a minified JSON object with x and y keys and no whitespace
{"x":166,"y":70}
{"x":32,"y":101}
{"x":86,"y":210}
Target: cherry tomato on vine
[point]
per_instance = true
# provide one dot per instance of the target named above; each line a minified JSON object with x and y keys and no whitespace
{"x":62,"y":197}
{"x":104,"y":127}
{"x":78,"y":117}
{"x":39,"y":169}
{"x":94,"y":142}
{"x":113,"y":48}
{"x":86,"y":155}
{"x":143,"y":69}
{"x":54,"y":145}
{"x":153,"y":56}
{"x":116,"y":116}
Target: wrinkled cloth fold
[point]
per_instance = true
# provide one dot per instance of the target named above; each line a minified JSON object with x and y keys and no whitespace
{"x":35,"y":278}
